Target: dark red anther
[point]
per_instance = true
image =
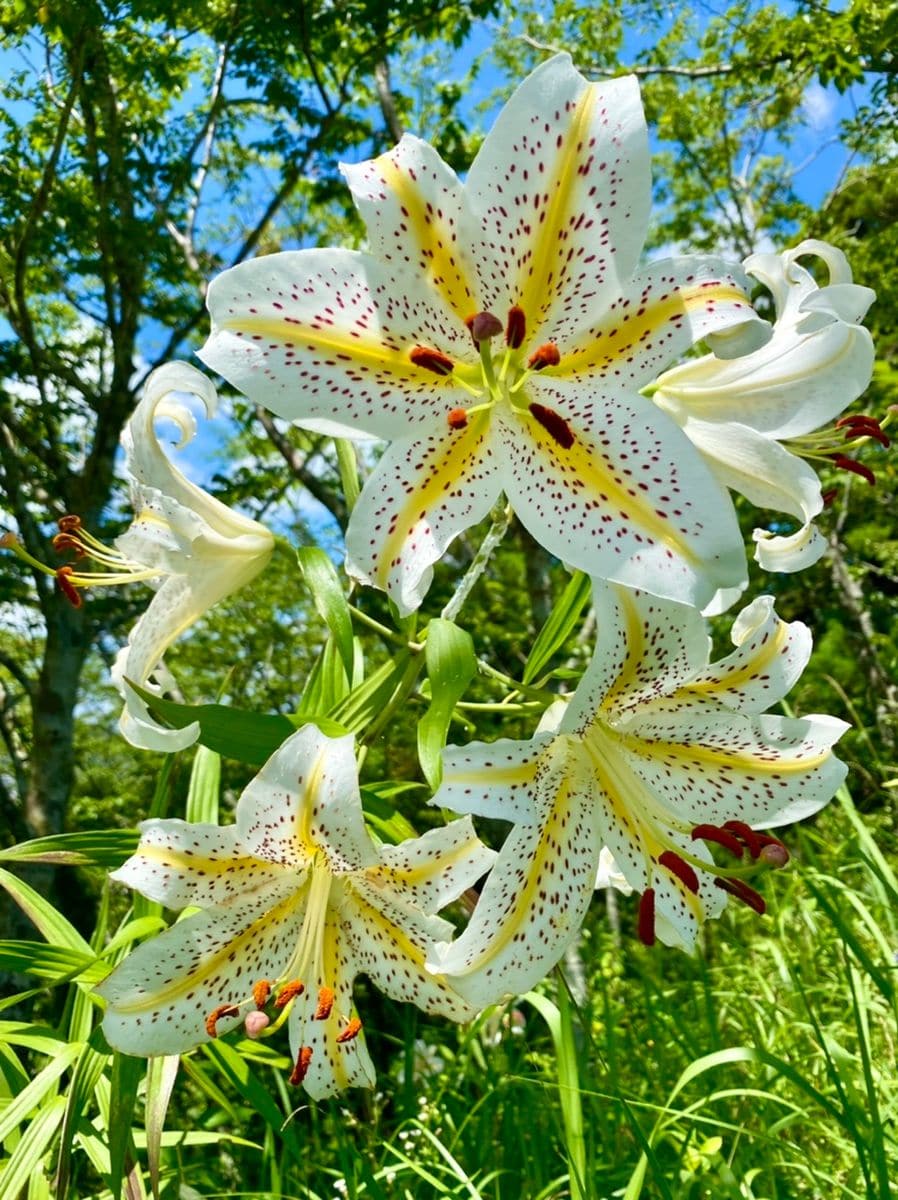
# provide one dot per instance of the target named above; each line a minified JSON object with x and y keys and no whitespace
{"x":829,"y":496}
{"x":752,"y":841}
{"x":722,"y":837}
{"x":645,"y":921}
{"x":863,"y":426}
{"x":483,"y":326}
{"x":300,"y":1070}
{"x":743,"y":892}
{"x":554,"y":424}
{"x":774,"y":854}
{"x":431,"y":360}
{"x":679,"y":867}
{"x":544,"y":356}
{"x":457,"y":418}
{"x":68,"y":588}
{"x":851,"y":464}
{"x":69,"y":523}
{"x":64,"y":541}
{"x":516,"y":327}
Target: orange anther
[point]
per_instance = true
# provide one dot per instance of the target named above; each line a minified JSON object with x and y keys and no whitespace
{"x":223,"y":1010}
{"x":294,"y":988}
{"x":64,"y":541}
{"x":545,"y":356}
{"x":299,"y":1072}
{"x":325,"y":1004}
{"x":261,"y":993}
{"x":457,"y":418}
{"x":352,"y":1030}
{"x":69,"y":523}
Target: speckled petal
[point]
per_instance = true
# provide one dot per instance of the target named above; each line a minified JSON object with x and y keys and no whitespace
{"x":418,"y":221}
{"x":713,"y":768}
{"x":645,"y":648}
{"x":492,"y":779}
{"x":628,"y":500}
{"x":324,"y":337}
{"x":434,"y":869}
{"x":537,"y":894}
{"x":656,"y":317}
{"x":390,"y":941}
{"x":158,"y":999}
{"x":769,"y":658}
{"x":562,"y":187}
{"x":305,"y":800}
{"x":333,"y":1066}
{"x":180,"y":864}
{"x":421,"y":496}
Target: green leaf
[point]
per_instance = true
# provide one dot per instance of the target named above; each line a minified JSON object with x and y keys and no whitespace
{"x":237,"y":1070}
{"x":25,"y":1159}
{"x":107,"y":848}
{"x":52,"y":924}
{"x":370,"y":698}
{"x":127,"y":1072}
{"x":85,"y":1077}
{"x":326,"y":685}
{"x":56,"y":963}
{"x":161,"y":1073}
{"x":560,"y":625}
{"x":32,"y":1096}
{"x":451,"y":664}
{"x":381,"y":814}
{"x":327,"y":594}
{"x":248,"y":737}
{"x":205,"y":782}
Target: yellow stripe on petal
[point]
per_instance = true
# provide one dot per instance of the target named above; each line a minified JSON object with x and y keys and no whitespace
{"x":749,"y":671}
{"x":562,"y":203}
{"x":628,"y":327}
{"x":443,"y":470}
{"x":193,"y":864}
{"x":208,"y":965}
{"x":433,"y":239}
{"x":708,"y":756}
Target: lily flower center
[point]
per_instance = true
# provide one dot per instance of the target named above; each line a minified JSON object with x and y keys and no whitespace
{"x":500,"y":378}
{"x":304,"y":980}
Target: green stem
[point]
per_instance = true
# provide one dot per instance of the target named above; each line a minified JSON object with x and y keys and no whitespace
{"x":349,"y":471}
{"x":502,"y":515}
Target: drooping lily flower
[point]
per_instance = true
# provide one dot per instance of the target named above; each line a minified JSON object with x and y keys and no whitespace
{"x":190,"y":547}
{"x":659,"y":757}
{"x":738,"y":413}
{"x":498,"y":335}
{"x":296,"y":901}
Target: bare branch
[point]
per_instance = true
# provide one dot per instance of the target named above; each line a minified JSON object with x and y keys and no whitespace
{"x":387,"y":99}
{"x":299,"y":468}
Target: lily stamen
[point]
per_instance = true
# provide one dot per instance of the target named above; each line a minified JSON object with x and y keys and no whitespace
{"x":301,"y":1067}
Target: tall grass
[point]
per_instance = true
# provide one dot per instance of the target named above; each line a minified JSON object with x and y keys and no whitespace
{"x":763,"y":1068}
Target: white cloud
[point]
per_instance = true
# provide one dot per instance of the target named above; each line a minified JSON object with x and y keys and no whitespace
{"x":819,"y":106}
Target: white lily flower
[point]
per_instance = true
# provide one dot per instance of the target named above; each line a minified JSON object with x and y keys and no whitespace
{"x":738,"y":413}
{"x":658,"y":755}
{"x":190,"y":547}
{"x":538,"y":254}
{"x":296,"y":900}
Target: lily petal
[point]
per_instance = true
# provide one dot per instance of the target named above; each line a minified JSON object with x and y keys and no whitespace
{"x":417,"y":217}
{"x":646,"y":648}
{"x":324,"y":337}
{"x":629,"y":498}
{"x":180,"y":863}
{"x":305,"y":801}
{"x":566,"y":165}
{"x":433,"y":870}
{"x":769,"y":658}
{"x":537,"y":894}
{"x":333,"y":1065}
{"x":789,"y":552}
{"x":493,"y":779}
{"x":752,"y":463}
{"x":655,"y":317}
{"x":421,"y":495}
{"x":158,"y":999}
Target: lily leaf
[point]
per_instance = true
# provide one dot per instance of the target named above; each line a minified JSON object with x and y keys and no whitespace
{"x":451,"y":664}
